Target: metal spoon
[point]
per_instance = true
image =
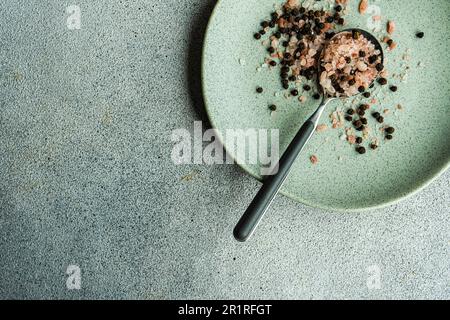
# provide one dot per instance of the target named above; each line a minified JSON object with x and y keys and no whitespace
{"x":271,"y":186}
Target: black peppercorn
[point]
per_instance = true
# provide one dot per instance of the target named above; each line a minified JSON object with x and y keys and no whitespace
{"x":316,"y":96}
{"x":294,"y":92}
{"x":376,"y":115}
{"x":273,"y":107}
{"x":271,"y":50}
{"x":389,"y":137}
{"x":306,"y":87}
{"x":393,"y":88}
{"x":349,"y":118}
{"x":390,"y":130}
{"x":379,"y":67}
{"x":366,"y":94}
{"x":361,"y":89}
{"x":382,"y":81}
{"x":257,"y":36}
{"x":420,"y":35}
{"x":359,"y":140}
{"x":361,"y":150}
{"x":259,"y":90}
{"x":351,"y":112}
{"x":380,"y":119}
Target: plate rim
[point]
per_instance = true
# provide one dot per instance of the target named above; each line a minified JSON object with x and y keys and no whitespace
{"x":427,"y":182}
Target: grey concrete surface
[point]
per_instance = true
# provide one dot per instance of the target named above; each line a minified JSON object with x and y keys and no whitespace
{"x":86,"y":177}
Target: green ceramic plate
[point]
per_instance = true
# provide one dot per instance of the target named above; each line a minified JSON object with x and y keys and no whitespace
{"x":342,"y":180}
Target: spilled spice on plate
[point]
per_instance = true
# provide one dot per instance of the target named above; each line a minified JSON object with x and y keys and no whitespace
{"x":294,"y":38}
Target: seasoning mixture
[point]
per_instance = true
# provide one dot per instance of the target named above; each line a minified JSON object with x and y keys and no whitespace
{"x":299,"y":37}
{"x":298,"y":40}
{"x":349,"y":65}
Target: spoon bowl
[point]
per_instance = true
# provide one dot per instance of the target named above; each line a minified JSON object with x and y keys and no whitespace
{"x":366,"y":35}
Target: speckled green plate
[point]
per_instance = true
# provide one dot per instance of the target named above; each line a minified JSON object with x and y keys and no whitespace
{"x":342,"y":180}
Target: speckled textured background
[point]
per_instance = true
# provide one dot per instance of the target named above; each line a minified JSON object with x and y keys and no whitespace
{"x":86,"y":177}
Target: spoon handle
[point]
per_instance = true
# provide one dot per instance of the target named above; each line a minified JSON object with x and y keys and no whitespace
{"x":254,"y":213}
